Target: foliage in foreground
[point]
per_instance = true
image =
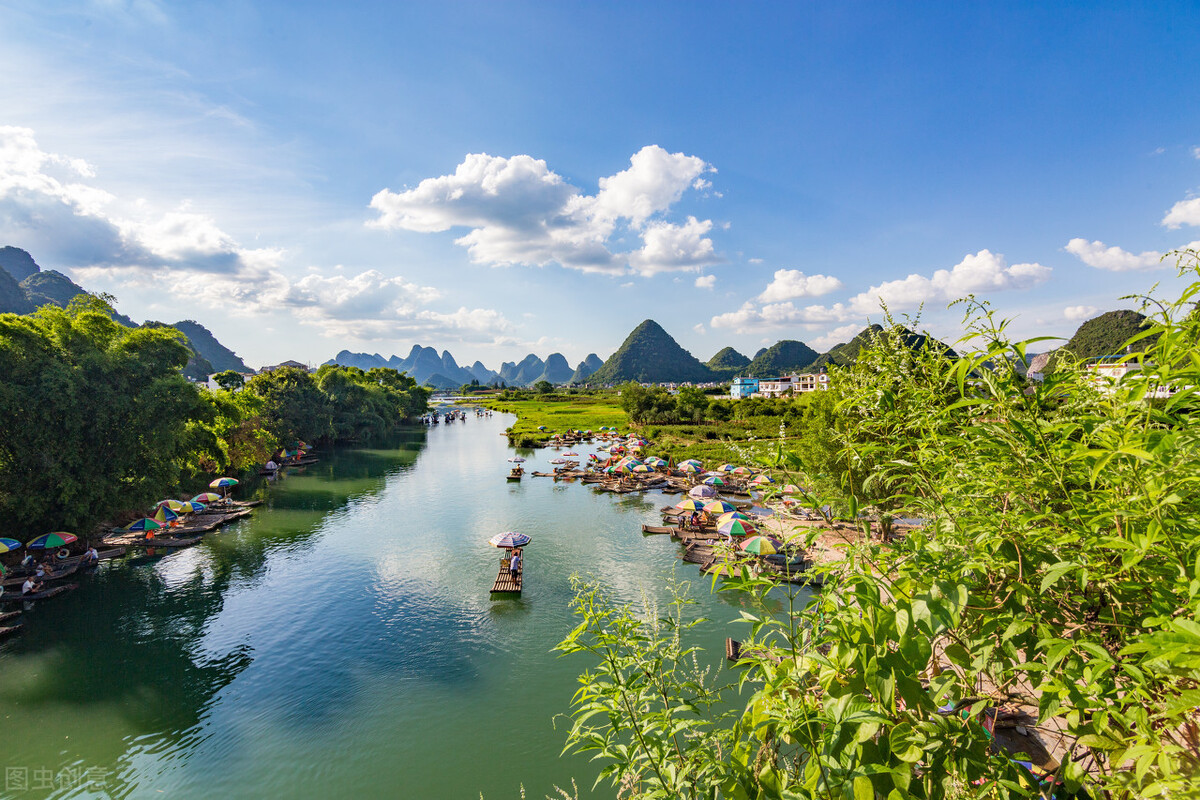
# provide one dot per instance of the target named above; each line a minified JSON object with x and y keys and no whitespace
{"x":1059,"y":567}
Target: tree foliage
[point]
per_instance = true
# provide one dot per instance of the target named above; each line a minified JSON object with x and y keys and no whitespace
{"x":1059,"y":567}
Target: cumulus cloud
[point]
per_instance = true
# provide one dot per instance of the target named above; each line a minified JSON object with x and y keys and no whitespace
{"x":750,"y":318}
{"x":1076,"y":313}
{"x":519,"y":211}
{"x":706,"y":281}
{"x":982,"y":272}
{"x":792,"y":283}
{"x":46,"y":204}
{"x":1095,"y":254}
{"x":1185,"y":212}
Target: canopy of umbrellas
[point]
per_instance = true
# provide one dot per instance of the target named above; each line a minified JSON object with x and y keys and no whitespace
{"x":168,"y":512}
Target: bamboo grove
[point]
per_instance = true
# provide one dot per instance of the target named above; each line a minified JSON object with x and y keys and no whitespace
{"x":96,"y":418}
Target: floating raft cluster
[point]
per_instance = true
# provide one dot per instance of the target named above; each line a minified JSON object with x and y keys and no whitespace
{"x":186,"y":534}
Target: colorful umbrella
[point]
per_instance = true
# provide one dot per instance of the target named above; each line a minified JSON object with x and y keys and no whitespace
{"x":541,"y":427}
{"x":7,"y":544}
{"x":730,"y":517}
{"x":143,"y":524}
{"x":174,"y":505}
{"x":690,"y":505}
{"x":510,"y":539}
{"x":717,"y":507}
{"x":517,"y":460}
{"x":642,"y":468}
{"x":760,"y":545}
{"x":694,"y":462}
{"x":726,"y":468}
{"x":190,"y":507}
{"x":558,"y":461}
{"x":792,"y":488}
{"x":221,"y":483}
{"x":763,"y":479}
{"x":715,"y":481}
{"x":48,"y":541}
{"x":689,"y":468}
{"x":702,"y":492}
{"x":206,"y":497}
{"x":742,"y":471}
{"x":736,"y":527}
{"x":165,"y":514}
{"x":656,"y":462}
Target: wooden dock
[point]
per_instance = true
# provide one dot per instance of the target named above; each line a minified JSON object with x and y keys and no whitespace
{"x":506,"y":582}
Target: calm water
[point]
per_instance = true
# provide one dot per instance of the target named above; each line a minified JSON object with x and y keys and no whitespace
{"x":340,"y":641}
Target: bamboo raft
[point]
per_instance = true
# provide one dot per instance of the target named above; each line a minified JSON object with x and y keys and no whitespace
{"x":506,"y":582}
{"x":11,"y":629}
{"x":17,"y":597}
{"x":62,"y":572}
{"x":133,"y":540}
{"x":648,"y":529}
{"x":106,"y":554}
{"x":10,"y":615}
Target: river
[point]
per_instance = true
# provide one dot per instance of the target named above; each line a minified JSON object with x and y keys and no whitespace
{"x":342,"y":641}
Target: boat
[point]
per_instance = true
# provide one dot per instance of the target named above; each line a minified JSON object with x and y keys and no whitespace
{"x":515,"y":474}
{"x":659,"y":529}
{"x":10,"y":615}
{"x":11,"y":629}
{"x":506,"y":582}
{"x":17,"y":597}
{"x":160,"y":541}
{"x":60,"y":572}
{"x":105,"y":554}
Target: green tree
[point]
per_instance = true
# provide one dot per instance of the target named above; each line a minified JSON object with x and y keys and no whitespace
{"x":544,"y":387}
{"x":230,"y":380}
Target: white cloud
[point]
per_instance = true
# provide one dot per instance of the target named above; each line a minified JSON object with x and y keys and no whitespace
{"x":699,"y":328}
{"x":754,"y":260}
{"x":1185,"y":212}
{"x":1076,"y":313}
{"x":1095,"y":254}
{"x":771,"y":316}
{"x":521,"y":212}
{"x":982,"y":272}
{"x":1196,"y":152}
{"x":44,"y":204}
{"x":706,"y":281}
{"x":836,"y":336}
{"x":792,"y":283}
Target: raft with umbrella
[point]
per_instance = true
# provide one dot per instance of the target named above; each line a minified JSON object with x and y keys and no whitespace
{"x":508,"y":582}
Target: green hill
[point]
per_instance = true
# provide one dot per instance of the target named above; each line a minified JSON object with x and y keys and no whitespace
{"x":203,"y":342}
{"x":50,"y":287}
{"x":12,"y":296}
{"x":727,"y":362}
{"x":781,"y":358}
{"x":1107,"y":334}
{"x":847,"y":353}
{"x":586,"y":368}
{"x":650,"y":355}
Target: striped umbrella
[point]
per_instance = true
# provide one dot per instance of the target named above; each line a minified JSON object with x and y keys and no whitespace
{"x":717,"y":507}
{"x":731,"y":516}
{"x":165,"y":514}
{"x":642,"y":468}
{"x":763,"y":479}
{"x":656,"y":462}
{"x":174,"y":505}
{"x":690,"y":505}
{"x":143,"y":524}
{"x":206,"y":497}
{"x":760,"y":545}
{"x":689,"y":468}
{"x":510,"y":539}
{"x":190,"y":507}
{"x":727,"y":468}
{"x":736,"y":527}
{"x":571,"y":453}
{"x":48,"y":541}
{"x":714,"y":481}
{"x":7,"y":545}
{"x":221,"y":483}
{"x":791,"y":488}
{"x":693,"y":461}
{"x":742,"y":471}
{"x":702,"y":492}
{"x":558,"y":461}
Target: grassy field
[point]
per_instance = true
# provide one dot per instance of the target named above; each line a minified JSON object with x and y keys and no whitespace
{"x":736,"y":441}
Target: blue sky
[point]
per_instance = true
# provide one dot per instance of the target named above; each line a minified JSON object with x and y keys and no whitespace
{"x":504,"y":178}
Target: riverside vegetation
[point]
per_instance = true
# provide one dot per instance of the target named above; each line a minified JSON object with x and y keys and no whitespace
{"x":96,"y":418}
{"x":1059,"y":567}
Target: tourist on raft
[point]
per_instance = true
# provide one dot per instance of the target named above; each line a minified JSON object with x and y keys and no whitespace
{"x":514,"y":564}
{"x":91,"y":556}
{"x":31,"y":586}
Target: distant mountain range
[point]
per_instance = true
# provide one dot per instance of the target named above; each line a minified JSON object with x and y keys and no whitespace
{"x":426,"y":366}
{"x":24,"y":287}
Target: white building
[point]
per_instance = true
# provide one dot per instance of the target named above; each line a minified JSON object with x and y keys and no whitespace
{"x":793,"y":384}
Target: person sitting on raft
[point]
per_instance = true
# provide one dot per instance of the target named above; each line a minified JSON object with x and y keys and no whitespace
{"x":31,"y":586}
{"x":45,"y":570}
{"x":90,"y":556}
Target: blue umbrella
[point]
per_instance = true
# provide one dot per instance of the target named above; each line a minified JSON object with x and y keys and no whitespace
{"x":8,"y":544}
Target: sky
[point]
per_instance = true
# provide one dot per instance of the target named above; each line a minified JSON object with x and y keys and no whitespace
{"x":501,"y":178}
